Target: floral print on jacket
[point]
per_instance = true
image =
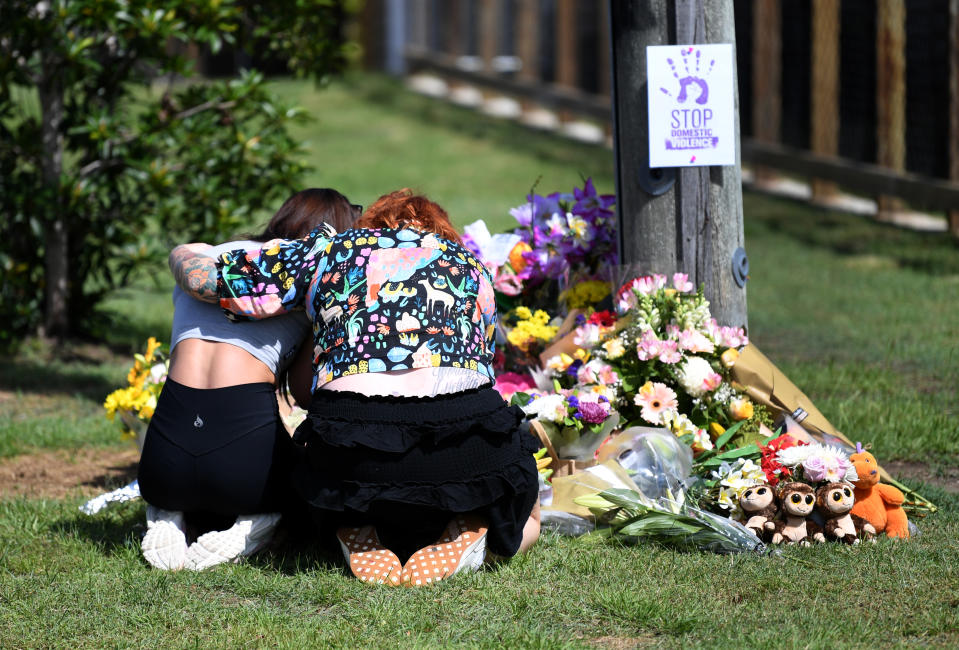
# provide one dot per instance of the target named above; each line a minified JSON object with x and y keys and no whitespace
{"x":379,"y":299}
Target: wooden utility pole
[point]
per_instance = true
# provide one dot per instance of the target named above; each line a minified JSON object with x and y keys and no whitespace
{"x":688,"y":219}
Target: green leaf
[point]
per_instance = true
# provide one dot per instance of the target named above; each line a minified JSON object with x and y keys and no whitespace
{"x":728,"y":434}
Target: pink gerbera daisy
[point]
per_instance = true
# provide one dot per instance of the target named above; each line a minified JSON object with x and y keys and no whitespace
{"x":655,"y":398}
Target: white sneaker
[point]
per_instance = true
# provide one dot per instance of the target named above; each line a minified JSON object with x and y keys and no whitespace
{"x":164,"y":544}
{"x":248,"y":535}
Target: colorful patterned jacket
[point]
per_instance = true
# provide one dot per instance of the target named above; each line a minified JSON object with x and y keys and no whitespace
{"x":378,"y":299}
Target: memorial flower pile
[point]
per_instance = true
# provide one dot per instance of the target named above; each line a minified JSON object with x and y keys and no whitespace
{"x":663,"y":361}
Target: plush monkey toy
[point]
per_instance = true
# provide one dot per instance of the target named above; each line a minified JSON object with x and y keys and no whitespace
{"x":834,"y":502}
{"x":759,"y":506}
{"x":797,"y":501}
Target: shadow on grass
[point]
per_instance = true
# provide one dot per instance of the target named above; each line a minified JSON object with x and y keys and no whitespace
{"x":291,"y":552}
{"x":72,"y":377}
{"x":294,"y":552}
{"x":932,"y":253}
{"x":112,"y":534}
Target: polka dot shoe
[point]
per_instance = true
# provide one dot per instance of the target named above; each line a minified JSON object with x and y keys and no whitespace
{"x":461,"y":548}
{"x":369,"y":560}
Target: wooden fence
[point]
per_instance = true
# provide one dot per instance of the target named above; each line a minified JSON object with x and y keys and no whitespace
{"x":858,"y":96}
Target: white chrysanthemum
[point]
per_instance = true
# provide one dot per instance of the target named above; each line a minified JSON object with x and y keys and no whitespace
{"x":547,"y":407}
{"x":694,"y":375}
{"x":793,"y":456}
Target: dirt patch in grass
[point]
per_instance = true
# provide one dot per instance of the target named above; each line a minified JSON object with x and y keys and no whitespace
{"x":61,"y":473}
{"x":941,"y":476}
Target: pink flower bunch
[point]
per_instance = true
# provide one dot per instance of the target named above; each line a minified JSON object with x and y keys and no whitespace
{"x":726,"y":337}
{"x":647,"y":285}
{"x":597,"y":371}
{"x":692,"y":340}
{"x":649,"y":346}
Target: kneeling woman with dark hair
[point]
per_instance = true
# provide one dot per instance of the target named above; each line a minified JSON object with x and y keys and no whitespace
{"x":409,"y":449}
{"x":216,"y":452}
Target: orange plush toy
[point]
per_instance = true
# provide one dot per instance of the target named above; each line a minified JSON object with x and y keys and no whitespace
{"x":877,"y":503}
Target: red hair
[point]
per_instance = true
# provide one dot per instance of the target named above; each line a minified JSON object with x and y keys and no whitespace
{"x":404,"y":209}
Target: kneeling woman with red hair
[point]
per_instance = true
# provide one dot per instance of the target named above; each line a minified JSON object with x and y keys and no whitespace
{"x":408,"y":450}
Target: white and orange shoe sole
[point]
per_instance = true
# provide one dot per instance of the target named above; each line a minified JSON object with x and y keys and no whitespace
{"x":461,"y":548}
{"x":369,"y":560}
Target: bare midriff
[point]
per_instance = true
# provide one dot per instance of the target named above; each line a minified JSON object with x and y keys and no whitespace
{"x":211,"y":364}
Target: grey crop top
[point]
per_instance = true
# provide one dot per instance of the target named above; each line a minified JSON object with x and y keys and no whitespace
{"x":273,"y":340}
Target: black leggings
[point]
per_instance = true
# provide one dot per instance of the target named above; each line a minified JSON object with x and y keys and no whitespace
{"x":221,"y":451}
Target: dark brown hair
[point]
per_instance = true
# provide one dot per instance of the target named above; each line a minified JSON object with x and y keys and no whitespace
{"x":298,"y":215}
{"x":308,"y":209}
{"x":404,"y":209}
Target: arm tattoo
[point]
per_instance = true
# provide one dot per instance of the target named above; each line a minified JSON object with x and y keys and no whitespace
{"x":196,"y":274}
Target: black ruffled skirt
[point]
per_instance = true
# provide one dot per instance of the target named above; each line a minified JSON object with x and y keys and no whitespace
{"x":407,"y":464}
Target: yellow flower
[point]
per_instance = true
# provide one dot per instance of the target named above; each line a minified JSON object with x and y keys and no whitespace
{"x":560,"y":362}
{"x":144,"y":379}
{"x":152,"y":346}
{"x":523,"y":313}
{"x":586,"y":294}
{"x":614,"y":348}
{"x":716,"y":430}
{"x":540,"y":317}
{"x":729,"y":357}
{"x":741,"y":408}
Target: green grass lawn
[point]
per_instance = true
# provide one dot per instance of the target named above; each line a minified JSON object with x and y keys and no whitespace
{"x":861,"y":316}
